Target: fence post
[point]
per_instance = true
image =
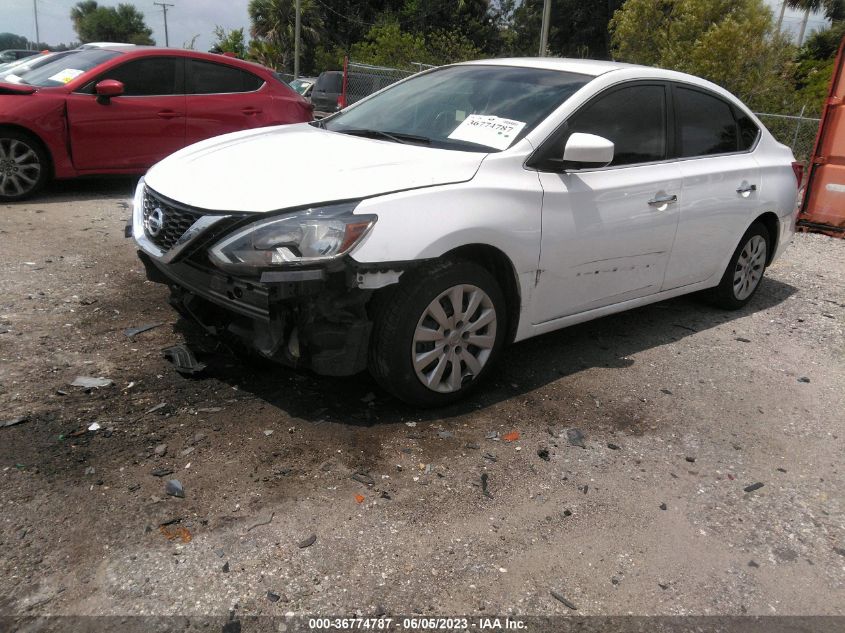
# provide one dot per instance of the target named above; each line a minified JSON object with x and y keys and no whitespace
{"x":798,"y":126}
{"x":341,"y":100}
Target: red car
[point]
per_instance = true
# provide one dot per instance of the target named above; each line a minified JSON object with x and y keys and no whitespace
{"x":119,"y":110}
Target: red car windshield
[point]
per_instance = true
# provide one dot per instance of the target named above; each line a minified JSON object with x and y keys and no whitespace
{"x":67,"y":68}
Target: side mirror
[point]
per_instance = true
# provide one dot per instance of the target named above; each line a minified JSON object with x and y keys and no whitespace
{"x":108,"y":88}
{"x":588,"y":150}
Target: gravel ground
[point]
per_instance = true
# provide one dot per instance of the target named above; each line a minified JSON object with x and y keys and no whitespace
{"x":682,"y":409}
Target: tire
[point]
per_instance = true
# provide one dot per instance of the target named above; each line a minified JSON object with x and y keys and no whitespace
{"x":407,"y":325}
{"x":24,"y":166}
{"x":745,"y":270}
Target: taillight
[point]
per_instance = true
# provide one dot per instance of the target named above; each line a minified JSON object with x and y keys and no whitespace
{"x":798,"y":170}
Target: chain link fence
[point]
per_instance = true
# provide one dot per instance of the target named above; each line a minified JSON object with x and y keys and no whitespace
{"x":796,"y":131}
{"x":362,"y":80}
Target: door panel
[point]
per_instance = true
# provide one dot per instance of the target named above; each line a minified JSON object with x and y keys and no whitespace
{"x":137,"y":129}
{"x":602,"y":241}
{"x":223,"y":99}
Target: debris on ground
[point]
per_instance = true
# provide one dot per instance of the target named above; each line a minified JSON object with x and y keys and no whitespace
{"x":225,"y":568}
{"x":472,"y":446}
{"x":513,"y":436}
{"x":14,"y":421}
{"x":803,"y":379}
{"x":161,"y":472}
{"x":490,"y":457}
{"x":90,"y":470}
{"x":273,"y":597}
{"x":183,"y":359}
{"x":173,"y":487}
{"x":663,"y":506}
{"x":94,"y":426}
{"x":160,"y":450}
{"x":134,"y":331}
{"x":575,"y":437}
{"x":560,"y":598}
{"x":307,"y":542}
{"x":89,"y":382}
{"x":264,"y":520}
{"x":444,"y":435}
{"x":753,"y":487}
{"x":690,"y":459}
{"x":360,"y":498}
{"x":364,"y":479}
{"x":182,"y":533}
{"x":485,"y":492}
{"x":543,"y":453}
{"x":612,"y":446}
{"x":492,"y":435}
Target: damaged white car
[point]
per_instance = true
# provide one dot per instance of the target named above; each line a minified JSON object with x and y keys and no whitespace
{"x":420,"y":230}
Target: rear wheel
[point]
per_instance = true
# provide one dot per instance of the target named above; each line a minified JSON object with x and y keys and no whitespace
{"x":23,"y":166}
{"x":438,"y":334}
{"x":745,"y":270}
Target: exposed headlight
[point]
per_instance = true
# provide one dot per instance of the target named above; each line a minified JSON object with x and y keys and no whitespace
{"x":306,"y":237}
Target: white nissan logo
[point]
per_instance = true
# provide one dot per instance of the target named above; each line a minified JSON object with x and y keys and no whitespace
{"x":155,"y":222}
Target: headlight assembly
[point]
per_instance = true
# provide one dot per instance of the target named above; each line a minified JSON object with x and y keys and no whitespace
{"x":309,"y":236}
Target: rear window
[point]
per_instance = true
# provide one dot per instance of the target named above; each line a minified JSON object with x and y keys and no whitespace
{"x":211,"y":78}
{"x":329,"y":82}
{"x":63,"y":70}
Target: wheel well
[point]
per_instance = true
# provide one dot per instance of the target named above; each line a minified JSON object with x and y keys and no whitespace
{"x":772,"y":224}
{"x":500,"y":266}
{"x":35,"y":138}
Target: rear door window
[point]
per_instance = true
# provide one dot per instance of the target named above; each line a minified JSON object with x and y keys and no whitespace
{"x":329,"y":82}
{"x":705,"y":124}
{"x":211,"y":78}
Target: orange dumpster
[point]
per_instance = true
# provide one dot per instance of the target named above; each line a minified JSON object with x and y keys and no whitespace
{"x":823,"y":209}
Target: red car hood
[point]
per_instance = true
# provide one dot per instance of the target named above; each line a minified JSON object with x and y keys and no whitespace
{"x":15,"y":89}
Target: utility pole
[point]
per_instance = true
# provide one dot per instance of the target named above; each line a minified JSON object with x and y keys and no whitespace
{"x":544,"y":30}
{"x":35,"y":8}
{"x":780,"y":17}
{"x":803,"y":27}
{"x":296,"y":30}
{"x":164,"y":6}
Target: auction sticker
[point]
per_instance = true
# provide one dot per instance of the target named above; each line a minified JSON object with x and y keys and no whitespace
{"x":66,"y":75}
{"x":488,"y":130}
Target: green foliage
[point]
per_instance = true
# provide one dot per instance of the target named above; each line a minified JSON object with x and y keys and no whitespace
{"x":730,"y":42}
{"x":832,"y":9}
{"x":273,"y":27}
{"x":388,"y":45}
{"x":229,"y":42}
{"x":825,"y":43}
{"x":123,"y":23}
{"x":11,"y":40}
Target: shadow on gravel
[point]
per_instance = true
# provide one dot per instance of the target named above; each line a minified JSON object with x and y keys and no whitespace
{"x":524,"y":367}
{"x":92,"y":187}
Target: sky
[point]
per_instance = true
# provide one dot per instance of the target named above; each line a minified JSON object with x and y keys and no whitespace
{"x":191,"y":17}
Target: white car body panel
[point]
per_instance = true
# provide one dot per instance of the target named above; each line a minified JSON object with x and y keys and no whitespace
{"x":581,"y":244}
{"x":268,"y":169}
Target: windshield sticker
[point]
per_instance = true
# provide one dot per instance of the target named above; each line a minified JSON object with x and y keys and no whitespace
{"x":491,"y":131}
{"x":12,"y":79}
{"x":66,"y":75}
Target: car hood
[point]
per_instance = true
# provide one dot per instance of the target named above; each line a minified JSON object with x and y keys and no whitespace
{"x":294,"y":165}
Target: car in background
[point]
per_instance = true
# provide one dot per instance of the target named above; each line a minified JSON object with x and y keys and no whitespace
{"x":120,"y":109}
{"x":13,"y":54}
{"x":12,"y":71}
{"x":303,"y":85}
{"x":467,"y":207}
{"x":331,"y":94}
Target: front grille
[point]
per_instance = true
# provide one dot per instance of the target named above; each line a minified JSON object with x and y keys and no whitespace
{"x":164,"y":224}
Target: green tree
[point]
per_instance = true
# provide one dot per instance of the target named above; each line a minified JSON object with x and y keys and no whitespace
{"x":229,"y":42}
{"x":123,"y":23}
{"x":273,"y":25}
{"x":388,"y":45}
{"x":731,"y":42}
{"x":832,"y":9}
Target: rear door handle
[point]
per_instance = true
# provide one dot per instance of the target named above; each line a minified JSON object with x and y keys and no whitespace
{"x":168,"y":114}
{"x":746,"y":188}
{"x":659,"y":201}
{"x":251,"y":110}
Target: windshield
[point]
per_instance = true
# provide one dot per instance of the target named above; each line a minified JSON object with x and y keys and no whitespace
{"x":67,"y":68}
{"x":477,"y":108}
{"x":300,"y":85}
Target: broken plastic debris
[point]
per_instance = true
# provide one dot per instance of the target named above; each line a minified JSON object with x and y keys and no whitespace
{"x":173,"y":487}
{"x":14,"y":421}
{"x":180,"y":532}
{"x":183,"y":359}
{"x":133,"y":331}
{"x":359,"y":498}
{"x":91,"y":383}
{"x":513,"y":436}
{"x":94,"y":427}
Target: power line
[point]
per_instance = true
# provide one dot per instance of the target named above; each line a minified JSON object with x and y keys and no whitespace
{"x":164,"y":6}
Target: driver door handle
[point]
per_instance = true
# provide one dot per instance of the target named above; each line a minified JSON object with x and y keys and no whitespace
{"x":659,"y":201}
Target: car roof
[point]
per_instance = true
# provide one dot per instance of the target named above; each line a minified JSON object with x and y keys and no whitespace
{"x":133,"y":50}
{"x":592,"y":67}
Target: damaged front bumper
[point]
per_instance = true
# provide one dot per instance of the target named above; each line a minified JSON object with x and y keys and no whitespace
{"x":310,"y":318}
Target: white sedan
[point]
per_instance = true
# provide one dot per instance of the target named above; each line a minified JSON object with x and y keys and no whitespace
{"x":418,"y":231}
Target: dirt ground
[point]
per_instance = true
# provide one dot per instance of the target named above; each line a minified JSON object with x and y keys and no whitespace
{"x":681,"y":407}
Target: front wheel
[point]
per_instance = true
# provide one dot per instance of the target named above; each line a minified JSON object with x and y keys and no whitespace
{"x":23,"y":166}
{"x":745,"y":270}
{"x":438,"y":334}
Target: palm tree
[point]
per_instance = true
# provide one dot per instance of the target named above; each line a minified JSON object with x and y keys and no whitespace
{"x":273,"y":24}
